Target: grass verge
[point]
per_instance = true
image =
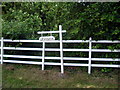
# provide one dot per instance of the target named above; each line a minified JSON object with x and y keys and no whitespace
{"x":30,"y":76}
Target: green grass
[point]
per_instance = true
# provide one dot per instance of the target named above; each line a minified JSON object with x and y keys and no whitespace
{"x":30,"y":76}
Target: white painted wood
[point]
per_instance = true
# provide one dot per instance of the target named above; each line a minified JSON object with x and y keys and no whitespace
{"x":32,"y":57}
{"x":47,"y":38}
{"x":46,"y":49}
{"x":83,"y":50}
{"x":54,"y":41}
{"x":56,"y":58}
{"x":65,"y":64}
{"x":105,"y":50}
{"x":105,"y":59}
{"x":64,"y":41}
{"x":105,"y":65}
{"x":93,"y":50}
{"x":90,"y":53}
{"x":64,"y":58}
{"x":45,"y":32}
{"x":74,"y":58}
{"x":23,"y":56}
{"x":33,"y":41}
{"x":61,"y":48}
{"x":23,"y":48}
{"x":75,"y":41}
{"x":105,"y":41}
{"x":2,"y":50}
{"x":74,"y":64}
{"x":23,"y":62}
{"x":31,"y":62}
{"x":52,"y":63}
{"x":43,"y":55}
{"x":46,"y":63}
{"x":57,"y":49}
{"x":67,"y":58}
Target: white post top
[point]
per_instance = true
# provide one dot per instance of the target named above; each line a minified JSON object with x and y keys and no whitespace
{"x":45,"y":32}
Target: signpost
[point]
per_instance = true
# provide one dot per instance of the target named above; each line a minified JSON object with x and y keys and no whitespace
{"x":51,"y":38}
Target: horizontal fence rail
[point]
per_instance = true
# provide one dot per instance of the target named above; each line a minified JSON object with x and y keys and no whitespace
{"x":57,"y":49}
{"x":46,"y":32}
{"x":62,"y":64}
{"x":64,"y":41}
{"x":65,"y":64}
{"x":64,"y":58}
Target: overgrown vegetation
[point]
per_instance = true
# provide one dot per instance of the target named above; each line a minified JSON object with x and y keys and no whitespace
{"x":81,"y":20}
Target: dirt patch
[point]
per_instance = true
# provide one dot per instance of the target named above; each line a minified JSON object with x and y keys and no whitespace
{"x":37,"y":74}
{"x":9,"y":67}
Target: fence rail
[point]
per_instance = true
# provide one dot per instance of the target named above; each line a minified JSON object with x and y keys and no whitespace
{"x":64,"y":41}
{"x":61,"y":58}
{"x":57,"y":49}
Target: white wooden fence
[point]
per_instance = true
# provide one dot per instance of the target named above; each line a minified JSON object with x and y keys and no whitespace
{"x":61,"y":49}
{"x":90,"y":50}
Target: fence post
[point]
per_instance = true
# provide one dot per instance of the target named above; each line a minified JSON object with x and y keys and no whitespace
{"x":1,"y":50}
{"x":90,"y":53}
{"x":61,"y":48}
{"x":43,"y":55}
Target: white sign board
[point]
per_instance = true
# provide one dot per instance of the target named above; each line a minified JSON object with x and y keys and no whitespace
{"x":47,"y":38}
{"x":50,"y":38}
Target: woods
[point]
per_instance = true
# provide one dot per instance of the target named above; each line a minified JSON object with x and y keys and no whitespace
{"x":81,"y":20}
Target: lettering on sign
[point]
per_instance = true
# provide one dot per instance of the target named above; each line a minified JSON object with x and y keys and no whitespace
{"x":47,"y":38}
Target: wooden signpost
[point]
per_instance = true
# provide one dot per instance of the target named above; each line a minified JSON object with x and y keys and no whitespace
{"x":51,"y":38}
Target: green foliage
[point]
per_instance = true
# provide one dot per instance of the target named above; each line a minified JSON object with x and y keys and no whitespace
{"x":81,"y":20}
{"x":106,"y":70}
{"x":20,"y":23}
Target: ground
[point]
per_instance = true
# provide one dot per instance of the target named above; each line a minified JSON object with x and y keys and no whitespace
{"x":31,"y":76}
